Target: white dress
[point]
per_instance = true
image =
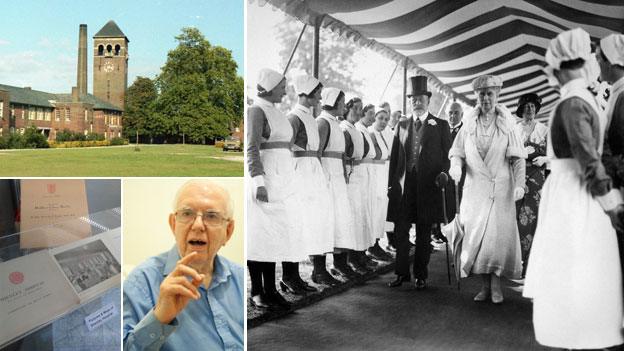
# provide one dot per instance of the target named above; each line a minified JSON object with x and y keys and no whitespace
{"x":318,"y":221}
{"x":573,"y":274}
{"x":370,"y":192}
{"x":273,"y":229}
{"x":331,"y":160}
{"x":358,"y":189}
{"x":380,"y":190}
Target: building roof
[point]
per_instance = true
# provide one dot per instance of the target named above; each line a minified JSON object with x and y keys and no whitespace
{"x":110,"y":30}
{"x":25,"y":96}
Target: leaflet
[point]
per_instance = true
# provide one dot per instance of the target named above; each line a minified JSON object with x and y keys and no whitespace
{"x":36,"y":289}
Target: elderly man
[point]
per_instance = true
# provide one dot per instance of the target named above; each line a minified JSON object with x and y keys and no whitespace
{"x":419,"y":153}
{"x":455,"y":114}
{"x":188,"y":298}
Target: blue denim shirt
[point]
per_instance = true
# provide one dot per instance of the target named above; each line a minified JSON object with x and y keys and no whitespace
{"x":214,"y":322}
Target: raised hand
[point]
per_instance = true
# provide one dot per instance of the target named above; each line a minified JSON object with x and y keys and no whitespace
{"x":177,"y":290}
{"x":262,"y":194}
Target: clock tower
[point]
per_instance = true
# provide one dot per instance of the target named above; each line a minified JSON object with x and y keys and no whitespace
{"x":110,"y":64}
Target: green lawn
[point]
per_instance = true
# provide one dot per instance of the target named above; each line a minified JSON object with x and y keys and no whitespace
{"x":122,"y":161}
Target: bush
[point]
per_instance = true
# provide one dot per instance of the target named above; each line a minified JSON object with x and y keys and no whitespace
{"x":32,"y":139}
{"x":3,"y":142}
{"x":118,"y":141}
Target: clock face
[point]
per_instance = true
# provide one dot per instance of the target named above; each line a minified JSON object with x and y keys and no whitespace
{"x":108,"y":66}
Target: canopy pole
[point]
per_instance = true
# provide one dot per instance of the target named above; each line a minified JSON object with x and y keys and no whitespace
{"x":443,"y":104}
{"x":405,"y":87}
{"x":294,"y":49}
{"x":317,"y":40}
{"x":389,"y":80}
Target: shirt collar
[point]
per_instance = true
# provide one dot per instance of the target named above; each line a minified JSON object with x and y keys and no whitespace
{"x":329,"y":115}
{"x":307,"y":110}
{"x":457,"y":125}
{"x":219,"y":275}
{"x":574,"y":84}
{"x":422,"y":117}
{"x":262,"y":101}
{"x":618,"y":85}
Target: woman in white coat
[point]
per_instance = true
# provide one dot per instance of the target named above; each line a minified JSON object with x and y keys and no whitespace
{"x":492,"y":152}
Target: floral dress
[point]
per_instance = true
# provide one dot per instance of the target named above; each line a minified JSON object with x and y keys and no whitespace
{"x":526,"y":209}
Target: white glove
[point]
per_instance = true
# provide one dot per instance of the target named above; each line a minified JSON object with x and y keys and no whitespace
{"x":529,"y":149}
{"x":539,"y":161}
{"x":518,"y":193}
{"x":455,"y":172}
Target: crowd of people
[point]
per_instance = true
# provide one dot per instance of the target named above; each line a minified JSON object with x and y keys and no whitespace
{"x":540,"y":201}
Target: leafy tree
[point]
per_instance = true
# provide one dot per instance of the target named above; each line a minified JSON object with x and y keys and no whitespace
{"x":336,"y":56}
{"x":139,"y":116}
{"x":201,"y":95}
{"x":32,"y":139}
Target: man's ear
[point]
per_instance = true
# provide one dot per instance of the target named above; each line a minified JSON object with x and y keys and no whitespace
{"x":229,"y":230}
{"x":172,"y":223}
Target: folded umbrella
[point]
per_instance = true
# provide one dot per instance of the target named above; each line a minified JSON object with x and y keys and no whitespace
{"x":441,"y":182}
{"x":454,"y":233}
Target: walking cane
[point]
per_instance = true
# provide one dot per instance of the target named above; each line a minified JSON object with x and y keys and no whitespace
{"x":441,"y":181}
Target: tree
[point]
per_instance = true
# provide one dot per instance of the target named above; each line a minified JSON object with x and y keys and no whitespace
{"x":336,"y":56}
{"x":201,"y":95}
{"x":139,"y":116}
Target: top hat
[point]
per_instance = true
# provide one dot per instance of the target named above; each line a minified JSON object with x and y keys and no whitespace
{"x":418,"y":86}
{"x":525,"y":99}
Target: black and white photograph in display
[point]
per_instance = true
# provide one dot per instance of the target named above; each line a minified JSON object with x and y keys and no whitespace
{"x":88,"y":265}
{"x":435,"y":175}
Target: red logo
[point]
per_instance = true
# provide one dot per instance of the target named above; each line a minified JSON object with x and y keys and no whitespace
{"x":16,"y":277}
{"x":51,"y":188}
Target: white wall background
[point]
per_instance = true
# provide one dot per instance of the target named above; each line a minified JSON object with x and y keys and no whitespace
{"x":147,"y":203}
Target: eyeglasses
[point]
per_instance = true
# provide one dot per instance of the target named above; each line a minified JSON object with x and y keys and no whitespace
{"x":210,"y":218}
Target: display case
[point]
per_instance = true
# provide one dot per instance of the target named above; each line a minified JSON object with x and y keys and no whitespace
{"x":64,"y":297}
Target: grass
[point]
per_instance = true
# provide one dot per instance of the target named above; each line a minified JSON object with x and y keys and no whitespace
{"x":122,"y":161}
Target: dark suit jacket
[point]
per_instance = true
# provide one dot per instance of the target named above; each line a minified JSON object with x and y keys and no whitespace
{"x":433,"y":159}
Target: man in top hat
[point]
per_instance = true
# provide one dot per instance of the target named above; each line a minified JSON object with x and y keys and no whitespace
{"x":610,"y":56}
{"x":419,"y":153}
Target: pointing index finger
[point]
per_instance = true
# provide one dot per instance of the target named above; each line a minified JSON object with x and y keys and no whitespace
{"x":188,"y":258}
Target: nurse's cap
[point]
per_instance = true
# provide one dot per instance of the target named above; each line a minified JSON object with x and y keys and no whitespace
{"x":612,"y":46}
{"x":269,"y":79}
{"x":329,"y":96}
{"x":305,"y":84}
{"x":567,"y":46}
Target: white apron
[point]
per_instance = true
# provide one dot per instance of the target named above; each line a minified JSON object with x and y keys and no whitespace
{"x":370,"y":185}
{"x":358,"y":189}
{"x":273,"y":228}
{"x":380,"y":189}
{"x":573,"y":274}
{"x":331,"y":160}
{"x":318,"y":220}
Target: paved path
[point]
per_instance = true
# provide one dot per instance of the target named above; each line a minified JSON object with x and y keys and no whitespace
{"x":375,"y":317}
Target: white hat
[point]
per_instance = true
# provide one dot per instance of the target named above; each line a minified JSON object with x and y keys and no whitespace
{"x":567,"y":46}
{"x":612,"y":46}
{"x":269,"y":79}
{"x":305,"y":84}
{"x":329,"y":96}
{"x":487,"y":81}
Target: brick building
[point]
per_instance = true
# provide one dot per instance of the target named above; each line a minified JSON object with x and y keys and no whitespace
{"x":100,"y":112}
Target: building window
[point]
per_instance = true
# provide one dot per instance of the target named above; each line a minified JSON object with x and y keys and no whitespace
{"x":100,"y":50}
{"x":32,"y":113}
{"x":117,"y":49}
{"x":39,"y":114}
{"x":12,"y":111}
{"x":23,"y":112}
{"x":86,"y":116}
{"x":109,"y":49}
{"x":47,"y":115}
{"x":57,"y":115}
{"x":67,"y":115}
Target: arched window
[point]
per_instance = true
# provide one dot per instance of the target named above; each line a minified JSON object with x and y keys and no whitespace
{"x":117,"y":49}
{"x":109,"y":49}
{"x":100,"y":50}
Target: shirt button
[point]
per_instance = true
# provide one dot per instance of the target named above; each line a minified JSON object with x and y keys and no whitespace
{"x":152,"y":335}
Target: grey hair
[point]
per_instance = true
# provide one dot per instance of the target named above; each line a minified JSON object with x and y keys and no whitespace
{"x":229,"y":206}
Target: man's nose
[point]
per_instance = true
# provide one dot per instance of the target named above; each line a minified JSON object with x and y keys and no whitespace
{"x":198,"y":222}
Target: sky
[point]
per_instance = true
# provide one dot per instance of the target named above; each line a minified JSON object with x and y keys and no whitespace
{"x":39,"y":39}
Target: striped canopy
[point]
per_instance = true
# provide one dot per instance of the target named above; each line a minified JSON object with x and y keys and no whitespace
{"x":454,"y":42}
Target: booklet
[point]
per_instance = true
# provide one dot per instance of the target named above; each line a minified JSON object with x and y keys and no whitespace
{"x":52,"y":201}
{"x":36,"y":289}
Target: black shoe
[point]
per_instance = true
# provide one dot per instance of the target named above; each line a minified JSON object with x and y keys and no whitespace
{"x":305,"y":286}
{"x":367,"y":263}
{"x":437,"y":236}
{"x":279,"y":300}
{"x":260,"y":301}
{"x":420,"y":284}
{"x":400,"y":279}
{"x":346,"y":272}
{"x":376,"y":253}
{"x":324,"y":278}
{"x":291,"y":287}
